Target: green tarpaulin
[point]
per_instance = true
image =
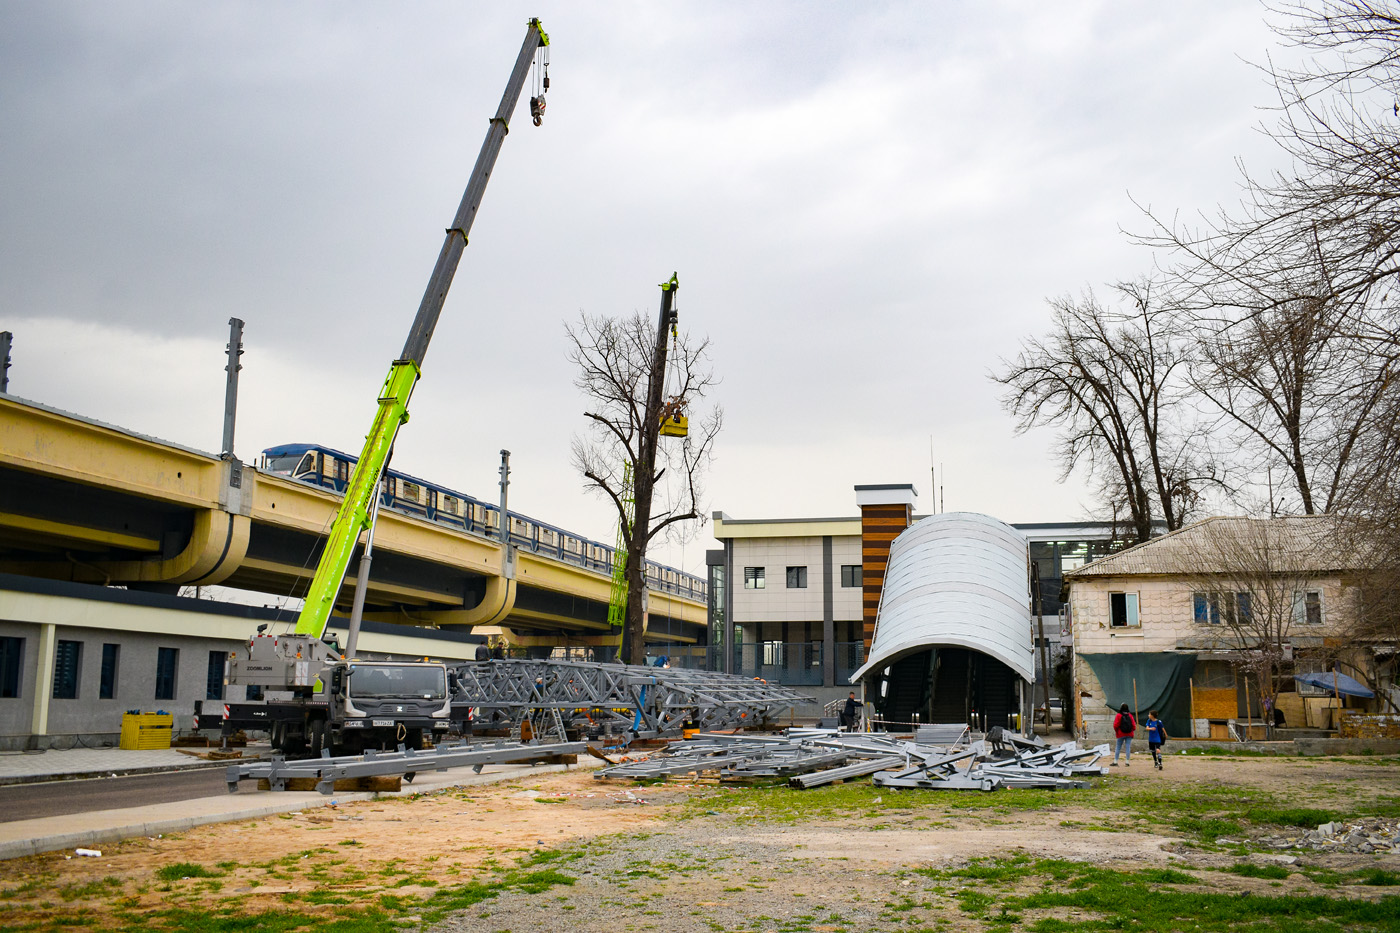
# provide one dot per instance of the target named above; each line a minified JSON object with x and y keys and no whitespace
{"x":1163,"y":681}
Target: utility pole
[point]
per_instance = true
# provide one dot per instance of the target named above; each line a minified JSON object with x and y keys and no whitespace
{"x":6,"y":338}
{"x":235,"y":350}
{"x":1044,"y":649}
{"x":644,"y":479}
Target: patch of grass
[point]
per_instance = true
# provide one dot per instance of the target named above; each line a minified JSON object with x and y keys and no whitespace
{"x":179,"y":870}
{"x":860,"y":801}
{"x":102,"y":887}
{"x":1292,"y":816}
{"x":1166,"y":876}
{"x":1113,"y":900}
{"x":1378,"y":877}
{"x":1249,"y":870}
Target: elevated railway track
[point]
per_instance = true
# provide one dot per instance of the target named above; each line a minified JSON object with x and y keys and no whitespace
{"x":90,"y":502}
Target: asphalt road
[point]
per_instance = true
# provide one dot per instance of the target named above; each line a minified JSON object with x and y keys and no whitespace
{"x":55,"y":798}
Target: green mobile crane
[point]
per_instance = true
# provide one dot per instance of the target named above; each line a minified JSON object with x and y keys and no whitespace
{"x":333,"y":706}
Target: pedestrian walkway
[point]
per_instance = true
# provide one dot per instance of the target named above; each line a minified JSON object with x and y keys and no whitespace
{"x":54,"y":764}
{"x":94,"y":828}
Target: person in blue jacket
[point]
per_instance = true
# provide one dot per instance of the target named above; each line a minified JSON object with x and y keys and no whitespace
{"x":1156,"y":737}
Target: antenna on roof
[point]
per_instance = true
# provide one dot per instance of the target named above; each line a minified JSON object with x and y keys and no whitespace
{"x":932,"y":476}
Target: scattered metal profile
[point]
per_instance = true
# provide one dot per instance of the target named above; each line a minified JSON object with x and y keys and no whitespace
{"x":326,"y":770}
{"x":812,"y":757}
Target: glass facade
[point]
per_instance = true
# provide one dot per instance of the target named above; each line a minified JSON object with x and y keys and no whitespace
{"x":718,"y":586}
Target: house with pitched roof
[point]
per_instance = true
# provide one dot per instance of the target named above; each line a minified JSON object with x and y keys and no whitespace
{"x":1209,"y":624}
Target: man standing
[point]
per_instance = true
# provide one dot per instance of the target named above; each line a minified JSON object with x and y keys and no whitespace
{"x":850,"y":713}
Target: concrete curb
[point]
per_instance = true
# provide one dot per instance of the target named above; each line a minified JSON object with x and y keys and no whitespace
{"x":51,"y":834}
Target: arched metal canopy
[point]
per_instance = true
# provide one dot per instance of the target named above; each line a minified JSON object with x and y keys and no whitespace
{"x":959,"y":579}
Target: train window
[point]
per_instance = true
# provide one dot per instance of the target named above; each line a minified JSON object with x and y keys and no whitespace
{"x":432,"y":498}
{"x":412,"y":491}
{"x":306,"y":465}
{"x":285,"y":464}
{"x":391,"y":484}
{"x":449,"y":504}
{"x":342,"y":470}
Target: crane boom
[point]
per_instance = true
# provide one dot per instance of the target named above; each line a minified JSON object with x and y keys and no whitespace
{"x":353,"y":517}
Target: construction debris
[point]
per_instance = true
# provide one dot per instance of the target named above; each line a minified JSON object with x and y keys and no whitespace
{"x":1363,"y":836}
{"x":812,"y":757}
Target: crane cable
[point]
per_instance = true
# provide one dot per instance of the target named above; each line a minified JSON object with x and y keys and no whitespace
{"x":541,"y":85}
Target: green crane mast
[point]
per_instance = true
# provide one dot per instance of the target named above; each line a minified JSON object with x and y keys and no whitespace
{"x":354,"y":515}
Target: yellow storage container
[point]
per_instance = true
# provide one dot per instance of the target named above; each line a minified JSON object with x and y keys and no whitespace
{"x":146,"y":730}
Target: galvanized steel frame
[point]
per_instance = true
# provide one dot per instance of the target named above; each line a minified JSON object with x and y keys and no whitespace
{"x":643,"y":700}
{"x":326,"y":770}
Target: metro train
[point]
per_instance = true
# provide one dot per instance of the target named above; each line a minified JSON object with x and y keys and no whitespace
{"x":330,"y":468}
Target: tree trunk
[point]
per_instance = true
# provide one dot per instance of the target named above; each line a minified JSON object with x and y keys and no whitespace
{"x":643,"y":485}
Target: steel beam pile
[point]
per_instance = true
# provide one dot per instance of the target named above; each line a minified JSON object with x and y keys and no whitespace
{"x":645,"y":701}
{"x":1029,"y":763}
{"x":325,"y":771}
{"x":813,"y":757}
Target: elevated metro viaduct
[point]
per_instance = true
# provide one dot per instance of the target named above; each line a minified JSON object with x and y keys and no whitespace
{"x":88,"y":502}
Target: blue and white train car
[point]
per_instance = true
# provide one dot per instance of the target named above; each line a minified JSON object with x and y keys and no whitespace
{"x":330,"y":468}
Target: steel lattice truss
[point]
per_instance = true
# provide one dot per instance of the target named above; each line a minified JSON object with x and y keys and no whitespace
{"x":639,"y":699}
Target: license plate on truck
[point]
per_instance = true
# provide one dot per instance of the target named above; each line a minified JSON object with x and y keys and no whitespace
{"x":381,"y":722}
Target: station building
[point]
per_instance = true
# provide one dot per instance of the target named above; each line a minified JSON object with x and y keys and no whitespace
{"x":794,"y":600}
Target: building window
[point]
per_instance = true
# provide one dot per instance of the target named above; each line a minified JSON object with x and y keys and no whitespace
{"x":1123,"y":610}
{"x":214,"y":688}
{"x":1214,"y":608}
{"x":11,"y":652}
{"x":107,"y":687}
{"x":67,"y":667}
{"x":167,"y":660}
{"x":772,"y":653}
{"x":797,"y":578}
{"x":850,"y":575}
{"x":1307,"y":609}
{"x":753,"y":578}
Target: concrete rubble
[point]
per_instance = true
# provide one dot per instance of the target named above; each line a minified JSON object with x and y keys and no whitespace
{"x":1363,"y":836}
{"x":805,"y":758}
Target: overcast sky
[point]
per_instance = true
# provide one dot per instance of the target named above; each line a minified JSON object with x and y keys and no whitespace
{"x":867,"y":206}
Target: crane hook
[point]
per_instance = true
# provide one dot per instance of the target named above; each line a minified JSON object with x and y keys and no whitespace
{"x":537,"y":109}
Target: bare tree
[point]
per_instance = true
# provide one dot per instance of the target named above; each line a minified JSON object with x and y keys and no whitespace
{"x":654,"y":484}
{"x":1111,"y":381}
{"x":1298,"y":391}
{"x":1294,"y":284}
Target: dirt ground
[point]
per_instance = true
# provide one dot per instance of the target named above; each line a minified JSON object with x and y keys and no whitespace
{"x":413,"y":846}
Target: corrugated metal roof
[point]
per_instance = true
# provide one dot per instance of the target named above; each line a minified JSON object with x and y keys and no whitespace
{"x":1295,"y":544}
{"x":962,"y":579}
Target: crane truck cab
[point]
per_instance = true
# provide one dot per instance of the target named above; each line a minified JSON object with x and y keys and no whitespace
{"x":319,"y":700}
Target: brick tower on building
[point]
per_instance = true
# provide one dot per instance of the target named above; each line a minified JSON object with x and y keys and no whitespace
{"x":885,"y":511}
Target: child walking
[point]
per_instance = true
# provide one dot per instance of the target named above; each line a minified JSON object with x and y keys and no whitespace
{"x":1156,"y":737}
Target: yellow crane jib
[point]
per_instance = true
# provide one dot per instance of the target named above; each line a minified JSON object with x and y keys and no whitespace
{"x":353,"y":516}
